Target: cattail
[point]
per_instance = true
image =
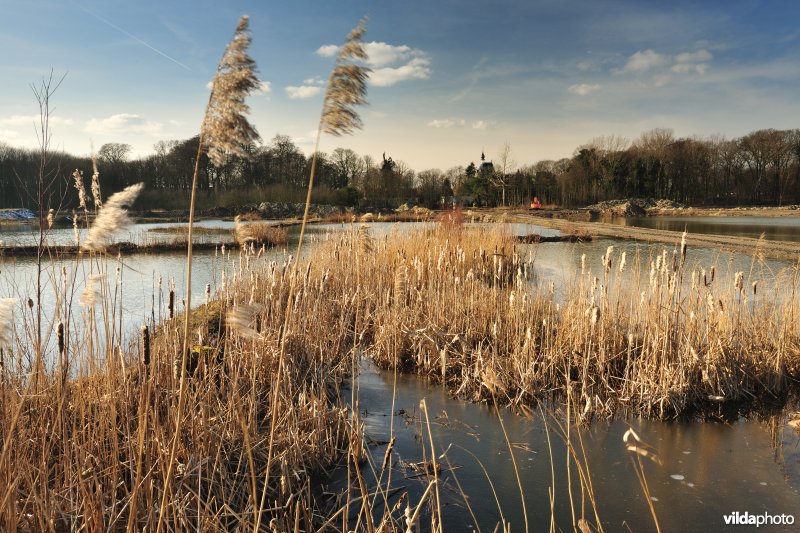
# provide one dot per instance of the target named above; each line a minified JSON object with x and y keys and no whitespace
{"x":98,"y":200}
{"x":145,"y":345}
{"x":622,"y":263}
{"x":713,"y":272}
{"x":739,"y":280}
{"x":91,"y":291}
{"x":50,"y":219}
{"x":225,"y":129}
{"x":171,"y":303}
{"x":208,"y":293}
{"x":112,"y":217}
{"x":583,"y":263}
{"x":6,"y":319}
{"x":347,"y":87}
{"x":755,"y":288}
{"x":60,"y":338}
{"x":606,"y":259}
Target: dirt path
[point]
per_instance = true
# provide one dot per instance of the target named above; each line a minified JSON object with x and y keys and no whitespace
{"x":748,"y":245}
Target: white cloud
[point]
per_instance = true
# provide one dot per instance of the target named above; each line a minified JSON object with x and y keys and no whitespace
{"x":381,"y":54}
{"x":391,"y":63}
{"x":313,"y":81}
{"x":416,"y":69}
{"x":665,"y":69}
{"x":584,"y":65}
{"x":480,"y":125}
{"x":582,"y":89}
{"x":701,"y":56}
{"x":328,"y":50}
{"x":264,"y":87}
{"x":303,"y":91}
{"x":123,"y":123}
{"x":644,"y":60}
{"x":29,"y":120}
{"x":447,"y":123}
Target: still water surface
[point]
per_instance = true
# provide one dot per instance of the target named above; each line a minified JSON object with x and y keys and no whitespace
{"x":773,"y":228}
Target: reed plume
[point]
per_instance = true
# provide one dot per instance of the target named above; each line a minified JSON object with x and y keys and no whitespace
{"x":96,"y":195}
{"x":91,"y":292}
{"x":113,"y":216}
{"x":225,"y":129}
{"x":6,"y":319}
{"x":78,"y":177}
{"x":347,"y":87}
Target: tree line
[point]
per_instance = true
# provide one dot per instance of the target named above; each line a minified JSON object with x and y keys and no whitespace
{"x":762,"y":167}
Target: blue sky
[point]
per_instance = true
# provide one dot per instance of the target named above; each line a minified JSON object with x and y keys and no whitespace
{"x":451,"y":78}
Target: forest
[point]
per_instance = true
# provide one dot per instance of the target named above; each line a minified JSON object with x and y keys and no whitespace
{"x":761,"y":168}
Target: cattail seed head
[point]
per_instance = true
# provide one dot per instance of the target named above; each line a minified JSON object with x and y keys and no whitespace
{"x":739,"y":280}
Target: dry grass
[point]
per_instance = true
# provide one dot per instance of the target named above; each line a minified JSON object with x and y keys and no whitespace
{"x":261,"y":233}
{"x":455,"y":304}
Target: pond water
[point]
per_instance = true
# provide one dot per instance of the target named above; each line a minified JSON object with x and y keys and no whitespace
{"x":773,"y":228}
{"x":146,"y":233}
{"x":709,"y":469}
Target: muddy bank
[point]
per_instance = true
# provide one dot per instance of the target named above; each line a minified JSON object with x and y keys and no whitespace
{"x":534,"y":238}
{"x":122,"y":247}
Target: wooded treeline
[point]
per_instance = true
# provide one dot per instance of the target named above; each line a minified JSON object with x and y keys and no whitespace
{"x":762,"y":167}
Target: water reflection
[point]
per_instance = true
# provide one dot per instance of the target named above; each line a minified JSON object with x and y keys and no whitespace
{"x":708,"y":469}
{"x":773,"y":228}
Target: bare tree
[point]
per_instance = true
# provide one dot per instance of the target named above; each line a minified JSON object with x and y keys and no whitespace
{"x":506,"y":165}
{"x":349,"y":167}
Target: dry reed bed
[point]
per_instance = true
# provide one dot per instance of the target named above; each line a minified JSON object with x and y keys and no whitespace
{"x":456,"y":304}
{"x":91,"y":452}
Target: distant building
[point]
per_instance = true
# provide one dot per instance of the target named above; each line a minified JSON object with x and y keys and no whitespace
{"x":486,"y":167}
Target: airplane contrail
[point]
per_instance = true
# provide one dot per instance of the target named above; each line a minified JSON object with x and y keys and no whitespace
{"x":156,"y":50}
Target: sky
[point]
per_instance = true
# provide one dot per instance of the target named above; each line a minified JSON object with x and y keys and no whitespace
{"x":451,"y":78}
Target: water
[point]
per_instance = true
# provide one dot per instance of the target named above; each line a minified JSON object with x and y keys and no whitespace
{"x":773,"y":228}
{"x":709,"y":468}
{"x":28,"y":234}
